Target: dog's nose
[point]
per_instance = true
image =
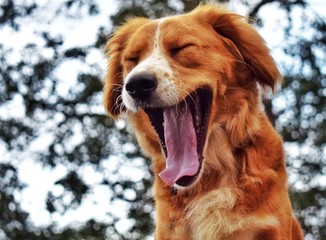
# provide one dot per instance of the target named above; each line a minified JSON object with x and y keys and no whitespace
{"x":141,"y":86}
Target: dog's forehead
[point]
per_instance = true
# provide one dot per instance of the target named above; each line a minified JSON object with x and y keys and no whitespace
{"x":169,"y":28}
{"x":176,"y":26}
{"x":142,"y":36}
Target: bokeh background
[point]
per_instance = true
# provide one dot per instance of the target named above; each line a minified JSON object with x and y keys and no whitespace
{"x":69,"y":172}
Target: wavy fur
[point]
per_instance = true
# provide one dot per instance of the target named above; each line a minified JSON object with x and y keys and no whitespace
{"x":241,"y":192}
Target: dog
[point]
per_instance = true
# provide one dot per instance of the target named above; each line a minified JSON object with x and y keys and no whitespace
{"x":190,"y":86}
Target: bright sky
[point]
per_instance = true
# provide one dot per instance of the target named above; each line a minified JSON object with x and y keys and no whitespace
{"x":39,"y":180}
{"x":80,"y":33}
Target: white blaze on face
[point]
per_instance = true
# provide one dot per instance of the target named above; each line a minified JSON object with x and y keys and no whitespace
{"x":166,"y":93}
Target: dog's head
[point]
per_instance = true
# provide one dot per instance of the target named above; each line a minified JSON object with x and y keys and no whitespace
{"x":187,"y":77}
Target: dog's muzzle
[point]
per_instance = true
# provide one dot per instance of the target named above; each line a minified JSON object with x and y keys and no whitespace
{"x":141,"y":86}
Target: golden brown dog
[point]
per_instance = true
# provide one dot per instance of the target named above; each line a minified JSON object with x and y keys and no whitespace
{"x":189,"y":85}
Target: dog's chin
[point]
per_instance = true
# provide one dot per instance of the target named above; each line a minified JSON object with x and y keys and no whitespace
{"x":197,"y":104}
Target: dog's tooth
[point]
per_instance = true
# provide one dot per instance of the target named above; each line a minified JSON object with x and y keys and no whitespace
{"x":198,"y":114}
{"x":197,"y":121}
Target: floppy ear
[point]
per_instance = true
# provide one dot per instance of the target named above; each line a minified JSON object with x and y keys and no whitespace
{"x":113,"y":81}
{"x":246,"y":39}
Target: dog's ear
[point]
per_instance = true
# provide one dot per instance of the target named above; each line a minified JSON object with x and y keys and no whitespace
{"x":246,"y":39}
{"x":113,"y":81}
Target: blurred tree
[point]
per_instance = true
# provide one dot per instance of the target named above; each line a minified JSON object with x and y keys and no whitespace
{"x":35,"y":104}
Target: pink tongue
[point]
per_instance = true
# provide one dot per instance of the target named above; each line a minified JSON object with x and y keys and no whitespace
{"x":181,"y":144}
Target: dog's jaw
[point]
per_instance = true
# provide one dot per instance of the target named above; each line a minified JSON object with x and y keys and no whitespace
{"x":182,"y":130}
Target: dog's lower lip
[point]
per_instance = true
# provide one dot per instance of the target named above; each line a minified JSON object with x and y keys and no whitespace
{"x":200,"y":106}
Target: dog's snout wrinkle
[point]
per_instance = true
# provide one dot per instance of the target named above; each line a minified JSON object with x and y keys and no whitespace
{"x":141,"y":86}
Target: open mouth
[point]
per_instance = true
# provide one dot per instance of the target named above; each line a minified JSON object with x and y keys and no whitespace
{"x":182,"y":131}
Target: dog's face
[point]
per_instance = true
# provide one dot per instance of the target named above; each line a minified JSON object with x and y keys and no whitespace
{"x":188,"y":76}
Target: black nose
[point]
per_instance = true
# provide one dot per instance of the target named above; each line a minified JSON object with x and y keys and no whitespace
{"x":141,"y":86}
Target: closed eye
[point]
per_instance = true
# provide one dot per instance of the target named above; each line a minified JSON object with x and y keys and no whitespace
{"x":174,"y":51}
{"x":132,"y":59}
